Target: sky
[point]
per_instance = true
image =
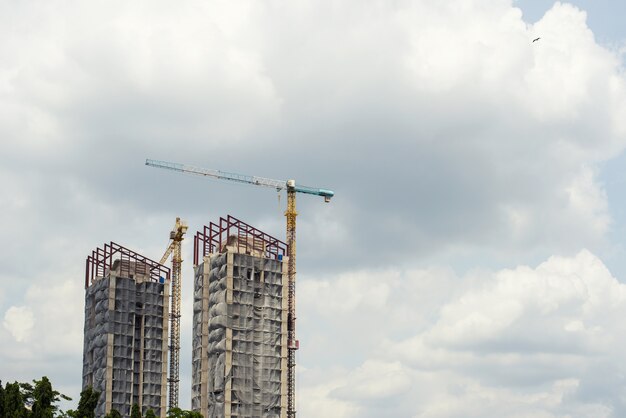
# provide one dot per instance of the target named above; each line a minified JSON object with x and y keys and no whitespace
{"x":472,"y":263}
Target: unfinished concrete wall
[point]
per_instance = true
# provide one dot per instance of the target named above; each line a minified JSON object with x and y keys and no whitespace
{"x":240,"y":336}
{"x":125,"y":343}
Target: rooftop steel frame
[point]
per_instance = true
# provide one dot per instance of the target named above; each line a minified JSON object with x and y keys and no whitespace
{"x":214,"y":236}
{"x":99,"y":263}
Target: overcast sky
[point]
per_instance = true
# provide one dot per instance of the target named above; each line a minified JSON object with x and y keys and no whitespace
{"x":472,"y":263}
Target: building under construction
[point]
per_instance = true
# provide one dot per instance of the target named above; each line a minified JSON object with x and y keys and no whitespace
{"x":239,"y":363}
{"x":126,"y":327}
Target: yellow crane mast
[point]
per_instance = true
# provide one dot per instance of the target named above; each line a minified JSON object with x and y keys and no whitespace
{"x":292,"y":343}
{"x":177,"y":235}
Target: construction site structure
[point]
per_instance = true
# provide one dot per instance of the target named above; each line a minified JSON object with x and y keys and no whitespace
{"x":292,"y":188}
{"x":125,"y":334}
{"x":240,"y":321}
{"x":177,"y":235}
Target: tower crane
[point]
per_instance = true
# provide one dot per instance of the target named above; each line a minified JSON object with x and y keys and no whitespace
{"x":292,"y":188}
{"x":174,"y":249}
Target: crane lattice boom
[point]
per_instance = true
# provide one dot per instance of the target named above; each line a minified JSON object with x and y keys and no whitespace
{"x":240,"y":178}
{"x":174,"y":248}
{"x":292,"y":188}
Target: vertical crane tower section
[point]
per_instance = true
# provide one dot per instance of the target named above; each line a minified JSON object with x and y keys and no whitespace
{"x":177,"y":235}
{"x":292,"y":343}
{"x":290,"y":214}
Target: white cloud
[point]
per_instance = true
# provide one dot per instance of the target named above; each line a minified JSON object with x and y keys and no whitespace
{"x":349,"y":292}
{"x":589,"y":201}
{"x":485,"y":133}
{"x":454,"y":397}
{"x":54,"y":313}
{"x":47,"y":334}
{"x":19,"y":321}
{"x":314,"y":386}
{"x":542,"y":341}
{"x":376,"y":380}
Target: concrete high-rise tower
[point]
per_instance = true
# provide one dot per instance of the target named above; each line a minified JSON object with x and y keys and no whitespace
{"x":126,"y":328}
{"x":239,"y":362}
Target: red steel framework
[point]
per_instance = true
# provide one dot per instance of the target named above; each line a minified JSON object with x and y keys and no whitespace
{"x":101,"y":260}
{"x":215,"y":236}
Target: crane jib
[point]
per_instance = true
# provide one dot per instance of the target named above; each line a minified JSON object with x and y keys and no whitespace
{"x":240,"y":178}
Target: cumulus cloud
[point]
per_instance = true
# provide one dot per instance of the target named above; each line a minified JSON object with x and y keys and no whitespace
{"x":313,"y":397}
{"x":542,"y":341}
{"x":562,"y":305}
{"x":478,"y":136}
{"x":46,"y":335}
{"x":19,"y":321}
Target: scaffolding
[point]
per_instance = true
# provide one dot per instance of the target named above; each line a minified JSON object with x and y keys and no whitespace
{"x":239,"y":363}
{"x":126,"y":324}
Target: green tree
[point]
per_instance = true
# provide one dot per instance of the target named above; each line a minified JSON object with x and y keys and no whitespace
{"x":135,"y":412}
{"x":113,"y":414}
{"x":180,"y":413}
{"x":87,"y":404}
{"x":1,"y":400}
{"x":14,"y":401}
{"x":43,"y":398}
{"x":150,"y":414}
{"x":175,"y":413}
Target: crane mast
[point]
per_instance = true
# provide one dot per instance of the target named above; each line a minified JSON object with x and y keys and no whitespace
{"x":174,"y":249}
{"x":290,"y":214}
{"x":292,"y":344}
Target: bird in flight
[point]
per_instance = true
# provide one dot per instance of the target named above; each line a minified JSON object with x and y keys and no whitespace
{"x":536,"y":39}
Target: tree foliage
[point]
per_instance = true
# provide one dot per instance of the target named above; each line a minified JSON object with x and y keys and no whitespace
{"x":43,"y":398}
{"x":14,"y":406}
{"x":87,"y":404}
{"x":135,"y":412}
{"x":180,"y":413}
{"x":23,"y":400}
{"x":1,"y":400}
{"x":113,"y":414}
